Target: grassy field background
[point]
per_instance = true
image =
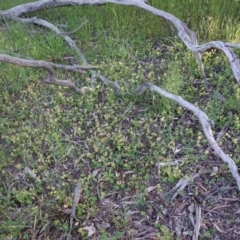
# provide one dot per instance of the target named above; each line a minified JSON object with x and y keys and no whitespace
{"x":115,"y":145}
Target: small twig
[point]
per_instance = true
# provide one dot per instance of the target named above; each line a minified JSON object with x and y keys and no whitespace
{"x":76,"y":197}
{"x":86,"y":21}
{"x":51,"y":79}
{"x":210,"y":211}
{"x":224,"y":128}
{"x":217,"y":191}
{"x":68,"y":33}
{"x":219,"y":207}
{"x":198,"y":221}
{"x":218,"y":228}
{"x":182,"y":183}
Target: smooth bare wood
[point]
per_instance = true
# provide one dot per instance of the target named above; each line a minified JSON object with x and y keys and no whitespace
{"x":205,"y":122}
{"x":51,"y":79}
{"x":187,"y":36}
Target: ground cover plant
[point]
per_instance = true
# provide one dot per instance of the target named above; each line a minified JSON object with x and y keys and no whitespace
{"x":123,"y":153}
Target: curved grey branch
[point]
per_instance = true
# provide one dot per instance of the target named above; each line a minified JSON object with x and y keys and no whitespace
{"x":51,"y":79}
{"x":204,"y":120}
{"x":187,"y":36}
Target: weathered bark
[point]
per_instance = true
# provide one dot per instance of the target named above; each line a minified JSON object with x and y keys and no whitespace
{"x":51,"y":79}
{"x":188,"y":37}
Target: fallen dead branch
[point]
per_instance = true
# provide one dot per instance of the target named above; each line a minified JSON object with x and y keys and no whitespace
{"x":204,"y":120}
{"x":187,"y":36}
{"x":51,"y":78}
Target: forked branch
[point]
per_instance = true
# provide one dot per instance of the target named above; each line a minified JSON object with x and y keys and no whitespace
{"x":188,"y":37}
{"x":205,"y":122}
{"x":51,"y":78}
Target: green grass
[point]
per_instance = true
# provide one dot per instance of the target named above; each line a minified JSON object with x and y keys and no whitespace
{"x":63,"y":137}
